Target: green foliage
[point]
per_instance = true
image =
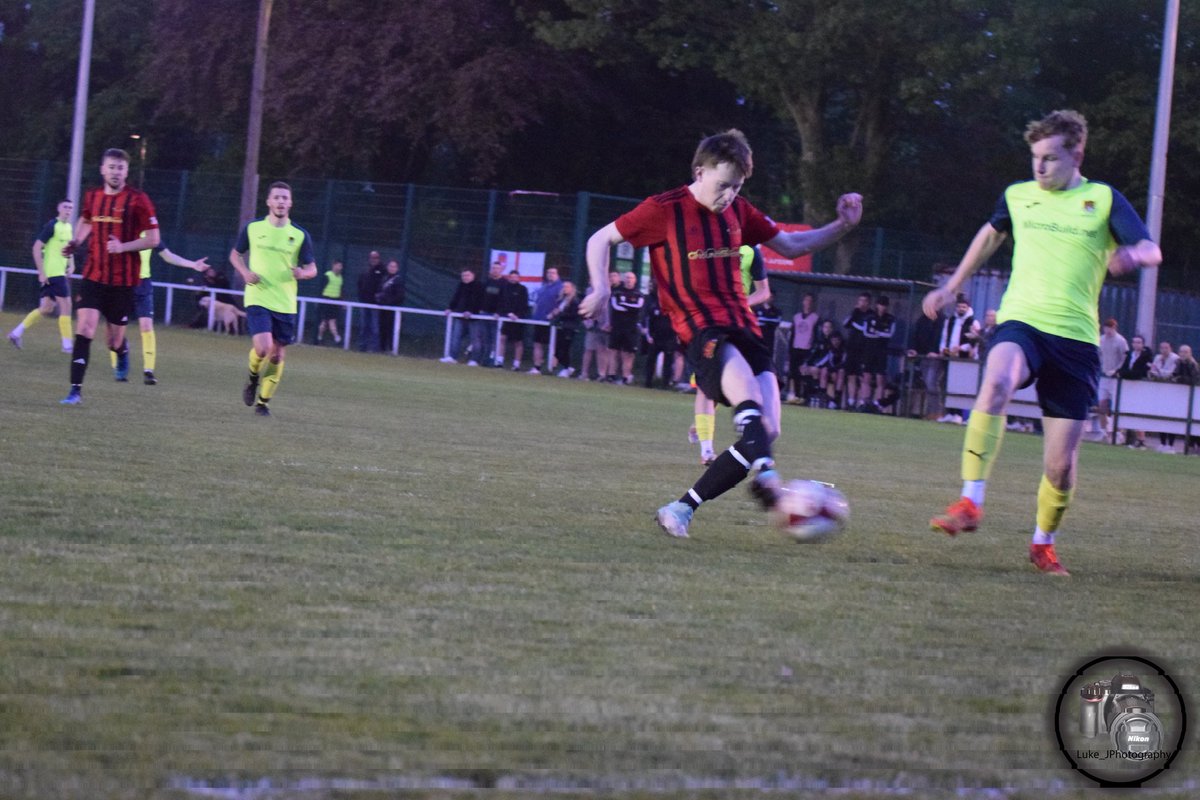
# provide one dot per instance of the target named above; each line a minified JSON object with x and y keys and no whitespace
{"x":416,"y":571}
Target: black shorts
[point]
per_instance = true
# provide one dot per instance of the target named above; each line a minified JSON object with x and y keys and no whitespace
{"x":541,"y":334}
{"x":55,"y":287}
{"x":1067,"y":371}
{"x":114,"y":302}
{"x":624,"y":340}
{"x":330,"y":312}
{"x":513,"y":330}
{"x":704,"y":353}
{"x":143,"y":300}
{"x":875,"y":362}
{"x":855,"y":356}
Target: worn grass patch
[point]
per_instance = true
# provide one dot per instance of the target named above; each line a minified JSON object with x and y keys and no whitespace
{"x":417,"y":573}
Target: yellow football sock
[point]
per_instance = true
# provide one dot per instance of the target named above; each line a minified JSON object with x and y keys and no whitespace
{"x":255,"y":361}
{"x":1051,"y":505}
{"x":30,"y":318}
{"x":149,"y":345}
{"x":270,"y":381}
{"x":112,"y":358}
{"x":981,"y":445}
{"x":706,"y":426}
{"x":64,"y":327}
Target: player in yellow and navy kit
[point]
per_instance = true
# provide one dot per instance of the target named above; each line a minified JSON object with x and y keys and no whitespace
{"x":271,"y":254}
{"x":143,"y":304}
{"x":52,"y":268}
{"x":1067,"y":233}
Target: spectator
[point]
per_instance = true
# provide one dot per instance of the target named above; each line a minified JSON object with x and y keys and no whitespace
{"x":814,"y":385}
{"x":804,"y":326}
{"x":855,"y":326}
{"x":1136,"y":368}
{"x":661,"y":340}
{"x":565,"y":315}
{"x":467,"y":300}
{"x":769,"y":317}
{"x":930,"y":375}
{"x":881,"y":327}
{"x":1187,"y":371}
{"x":212,"y":278}
{"x":391,"y":293}
{"x":625,"y":308}
{"x":1113,"y":349}
{"x":544,"y":301}
{"x":329,"y":312}
{"x":493,"y":287}
{"x":833,"y":371}
{"x":1162,"y":368}
{"x":514,"y":305}
{"x":986,"y":332}
{"x":960,"y":336}
{"x":595,"y":344}
{"x":368,"y":286}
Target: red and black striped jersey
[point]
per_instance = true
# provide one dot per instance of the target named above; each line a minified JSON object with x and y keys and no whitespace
{"x":695,"y":258}
{"x":123,"y":215}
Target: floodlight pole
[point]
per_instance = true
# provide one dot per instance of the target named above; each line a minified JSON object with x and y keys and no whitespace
{"x":79,"y":125}
{"x":1148,"y":276}
{"x":254,"y":127}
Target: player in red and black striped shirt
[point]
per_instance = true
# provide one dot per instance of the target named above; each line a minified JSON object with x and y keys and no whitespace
{"x":113,"y":217}
{"x":694,"y":234}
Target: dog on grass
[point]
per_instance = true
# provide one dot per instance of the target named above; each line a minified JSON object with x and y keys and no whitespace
{"x":226,"y":318}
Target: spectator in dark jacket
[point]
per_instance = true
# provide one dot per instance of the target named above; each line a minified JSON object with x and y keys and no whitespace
{"x":391,"y":293}
{"x":368,"y":286}
{"x":566,"y":317}
{"x":467,"y":300}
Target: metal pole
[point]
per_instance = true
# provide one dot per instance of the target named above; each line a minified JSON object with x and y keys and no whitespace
{"x":79,"y":125}
{"x":1148,"y":276}
{"x":254,"y":127}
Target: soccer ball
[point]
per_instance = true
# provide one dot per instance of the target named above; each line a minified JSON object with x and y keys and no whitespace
{"x":810,"y":511}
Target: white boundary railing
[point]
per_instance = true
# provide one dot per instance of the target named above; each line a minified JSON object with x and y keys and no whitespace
{"x":168,"y":311}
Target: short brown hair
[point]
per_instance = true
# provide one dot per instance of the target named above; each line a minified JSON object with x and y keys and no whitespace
{"x":279,"y":185}
{"x":1071,"y":125}
{"x":115,"y":152}
{"x":728,"y":146}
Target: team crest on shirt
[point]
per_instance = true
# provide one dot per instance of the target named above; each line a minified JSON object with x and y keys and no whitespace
{"x":710,"y":349}
{"x":1089,"y":206}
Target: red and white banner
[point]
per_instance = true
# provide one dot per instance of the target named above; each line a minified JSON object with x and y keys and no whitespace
{"x":531,"y":266}
{"x":777,"y":263}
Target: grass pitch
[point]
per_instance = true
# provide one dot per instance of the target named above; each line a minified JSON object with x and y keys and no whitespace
{"x":419,"y":579}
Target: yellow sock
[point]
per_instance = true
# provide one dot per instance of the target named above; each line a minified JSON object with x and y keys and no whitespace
{"x":64,"y":328}
{"x":30,"y":318}
{"x":255,"y":361}
{"x":270,"y":381}
{"x":981,"y":445}
{"x":149,"y":345}
{"x":1051,"y":505}
{"x":112,"y":358}
{"x":706,"y":426}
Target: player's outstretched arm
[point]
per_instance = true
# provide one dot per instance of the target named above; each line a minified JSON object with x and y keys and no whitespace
{"x":82,"y":231}
{"x":798,"y":243}
{"x":986,"y":242}
{"x":597,"y":260}
{"x":200,"y":264}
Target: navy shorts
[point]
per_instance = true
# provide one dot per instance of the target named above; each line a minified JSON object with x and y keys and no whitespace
{"x":114,"y":302}
{"x":704,"y":352}
{"x":55,"y":287}
{"x":1067,"y":371}
{"x":143,"y":300}
{"x":282,"y":327}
